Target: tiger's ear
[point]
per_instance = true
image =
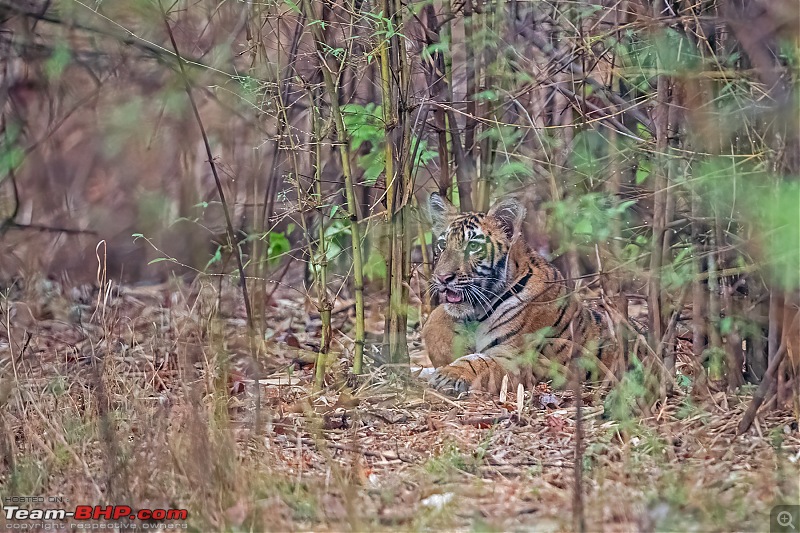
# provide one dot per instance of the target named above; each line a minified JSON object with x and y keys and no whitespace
{"x":442,"y":212}
{"x":509,"y":213}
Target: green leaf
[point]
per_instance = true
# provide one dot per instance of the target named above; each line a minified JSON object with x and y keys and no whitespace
{"x":643,"y":132}
{"x":10,"y":160}
{"x":726,"y":325}
{"x":487,"y":95}
{"x":375,"y":266}
{"x":513,"y":169}
{"x":588,"y":153}
{"x":58,"y":62}
{"x":642,"y":171}
{"x":278,"y":246}
{"x":293,"y":6}
{"x":584,"y":226}
{"x":216,"y":257}
{"x":434,"y":48}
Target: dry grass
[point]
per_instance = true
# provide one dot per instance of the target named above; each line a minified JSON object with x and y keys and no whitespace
{"x":149,"y":400}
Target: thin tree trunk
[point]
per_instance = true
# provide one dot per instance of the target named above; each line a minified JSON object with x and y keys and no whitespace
{"x":654,"y":295}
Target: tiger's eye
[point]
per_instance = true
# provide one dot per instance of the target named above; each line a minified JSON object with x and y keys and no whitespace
{"x":474,"y":246}
{"x":441,"y":244}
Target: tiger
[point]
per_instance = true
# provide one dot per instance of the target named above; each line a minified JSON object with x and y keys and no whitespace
{"x":504,"y":309}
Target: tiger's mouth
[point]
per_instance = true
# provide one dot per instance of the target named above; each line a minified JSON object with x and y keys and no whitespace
{"x":453,"y":297}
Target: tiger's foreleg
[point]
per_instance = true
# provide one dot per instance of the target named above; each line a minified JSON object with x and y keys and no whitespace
{"x":444,"y":338}
{"x":481,"y":372}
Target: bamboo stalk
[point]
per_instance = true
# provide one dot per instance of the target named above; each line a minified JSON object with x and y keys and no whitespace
{"x":344,"y":154}
{"x":488,"y":143}
{"x":400,"y":230}
{"x":388,"y":169}
{"x":320,"y":258}
{"x":392,"y":252}
{"x":654,"y":292}
{"x":472,"y":73}
{"x":398,"y":177}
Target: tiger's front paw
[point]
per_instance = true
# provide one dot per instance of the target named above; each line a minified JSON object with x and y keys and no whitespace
{"x":471,"y":372}
{"x":449,"y":381}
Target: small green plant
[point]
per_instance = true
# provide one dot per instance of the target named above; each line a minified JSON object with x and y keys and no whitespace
{"x":448,"y":462}
{"x":28,"y":476}
{"x":622,"y":402}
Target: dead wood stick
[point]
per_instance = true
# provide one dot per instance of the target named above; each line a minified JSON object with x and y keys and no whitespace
{"x":481,"y":421}
{"x":388,"y":456}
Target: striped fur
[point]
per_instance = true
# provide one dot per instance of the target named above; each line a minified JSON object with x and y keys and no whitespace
{"x":505,"y":310}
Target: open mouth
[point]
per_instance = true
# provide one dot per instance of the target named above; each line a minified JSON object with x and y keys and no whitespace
{"x":453,"y":297}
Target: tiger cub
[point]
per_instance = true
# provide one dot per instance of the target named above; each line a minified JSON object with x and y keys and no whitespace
{"x":504,"y":309}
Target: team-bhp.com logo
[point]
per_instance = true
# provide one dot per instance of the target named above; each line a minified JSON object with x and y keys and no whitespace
{"x":95,"y":512}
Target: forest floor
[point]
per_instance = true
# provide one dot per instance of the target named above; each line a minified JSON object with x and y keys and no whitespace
{"x":150,"y":397}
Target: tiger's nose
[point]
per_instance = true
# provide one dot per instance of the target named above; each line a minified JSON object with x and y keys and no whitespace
{"x":444,"y":279}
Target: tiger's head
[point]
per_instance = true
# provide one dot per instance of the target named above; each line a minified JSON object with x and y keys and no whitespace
{"x":473,"y":248}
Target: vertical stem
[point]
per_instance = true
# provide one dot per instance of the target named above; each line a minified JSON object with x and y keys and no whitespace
{"x":401,"y":233}
{"x":392,"y":258}
{"x":698,"y":290}
{"x":699,"y":296}
{"x":733,"y":344}
{"x":489,"y":143}
{"x":613,"y":281}
{"x":389,"y":173}
{"x":789,"y":374}
{"x":667,"y":347}
{"x":344,"y":154}
{"x":398,"y":176}
{"x":578,"y":518}
{"x":471,"y":74}
{"x":320,"y":257}
{"x":654,"y":296}
{"x":713,"y":294}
